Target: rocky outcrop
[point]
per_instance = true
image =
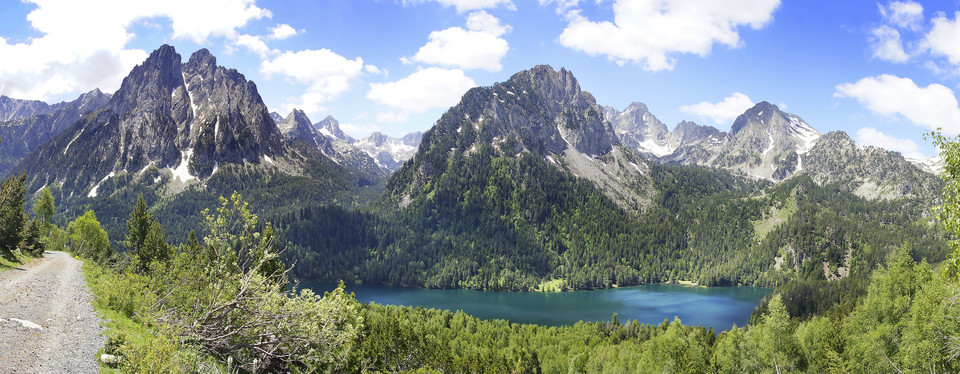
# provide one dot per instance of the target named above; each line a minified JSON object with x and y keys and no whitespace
{"x":870,"y":172}
{"x":540,"y":112}
{"x":389,"y":152}
{"x":21,"y":135}
{"x":188,"y":118}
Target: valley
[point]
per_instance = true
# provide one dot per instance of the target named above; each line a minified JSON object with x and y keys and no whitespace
{"x":188,"y":197}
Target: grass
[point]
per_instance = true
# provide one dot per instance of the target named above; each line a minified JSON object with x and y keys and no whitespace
{"x":553,"y":285}
{"x":143,"y":345}
{"x":764,"y":226}
{"x":17,"y":260}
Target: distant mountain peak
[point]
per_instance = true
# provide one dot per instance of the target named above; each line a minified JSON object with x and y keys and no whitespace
{"x":330,"y":127}
{"x":187,"y":118}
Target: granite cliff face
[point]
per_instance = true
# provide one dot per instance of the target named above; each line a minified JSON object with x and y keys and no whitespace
{"x":767,"y":143}
{"x":296,"y":127}
{"x":185,"y":118}
{"x":539,"y":112}
{"x":869,"y":172}
{"x":640,"y":130}
{"x":31,"y":125}
{"x":389,"y":152}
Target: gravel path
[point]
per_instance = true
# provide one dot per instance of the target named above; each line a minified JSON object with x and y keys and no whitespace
{"x":47,"y":324}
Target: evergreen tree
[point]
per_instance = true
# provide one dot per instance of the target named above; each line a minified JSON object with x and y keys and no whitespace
{"x":145,"y":236}
{"x":32,"y":235}
{"x":43,"y":210}
{"x":12,"y":219}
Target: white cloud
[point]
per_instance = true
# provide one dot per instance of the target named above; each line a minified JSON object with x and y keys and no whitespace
{"x":933,"y":106}
{"x":647,"y":31}
{"x":282,"y":31}
{"x":373,"y":69}
{"x":325,"y":73}
{"x":903,"y":14}
{"x":872,"y":136}
{"x":421,"y":91}
{"x":359,"y":131}
{"x":562,"y":5}
{"x":886,"y":44}
{"x":484,"y":22}
{"x":392,"y":117}
{"x":942,"y":38}
{"x":253,"y":44}
{"x":79,"y":48}
{"x":467,"y":5}
{"x":723,"y":112}
{"x":477,"y":47}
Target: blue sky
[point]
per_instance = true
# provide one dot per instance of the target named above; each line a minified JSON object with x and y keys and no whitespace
{"x":886,"y":72}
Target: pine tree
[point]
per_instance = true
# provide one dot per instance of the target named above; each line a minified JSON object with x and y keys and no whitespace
{"x":145,"y":236}
{"x":43,"y":210}
{"x":12,"y":219}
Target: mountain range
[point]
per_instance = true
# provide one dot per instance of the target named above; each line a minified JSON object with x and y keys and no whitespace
{"x":521,"y":182}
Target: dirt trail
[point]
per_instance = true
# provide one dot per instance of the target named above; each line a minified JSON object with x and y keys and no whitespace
{"x":47,"y":324}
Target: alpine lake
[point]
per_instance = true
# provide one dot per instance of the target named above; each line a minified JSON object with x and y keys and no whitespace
{"x":719,"y":307}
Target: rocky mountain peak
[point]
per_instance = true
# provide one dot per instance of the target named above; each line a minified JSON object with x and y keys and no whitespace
{"x":376,"y":138}
{"x":329,"y":126}
{"x":761,"y":113}
{"x":297,"y":126}
{"x":202,"y":64}
{"x":559,"y":87}
{"x":639,"y":129}
{"x":149,"y":85}
{"x":186,"y":118}
{"x":542,"y":113}
{"x":413,"y":138}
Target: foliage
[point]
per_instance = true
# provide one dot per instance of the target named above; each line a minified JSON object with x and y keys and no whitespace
{"x":12,"y":219}
{"x":486,"y":225}
{"x":88,"y":239}
{"x":43,"y":210}
{"x":225,"y":298}
{"x":33,"y":238}
{"x":145,"y":237}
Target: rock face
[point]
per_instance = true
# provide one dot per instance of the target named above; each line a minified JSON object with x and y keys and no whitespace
{"x":640,"y":130}
{"x":389,"y":152}
{"x":870,"y":172}
{"x":330,"y":127}
{"x":540,"y":112}
{"x":386,"y":151}
{"x":185,"y":117}
{"x":767,"y":143}
{"x":28,"y":129}
{"x":296,"y":127}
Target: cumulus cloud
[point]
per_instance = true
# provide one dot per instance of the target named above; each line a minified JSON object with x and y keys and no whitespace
{"x":903,"y":14}
{"x":325,"y":73}
{"x":253,"y":44}
{"x":74,"y":53}
{"x":872,"y":136}
{"x":421,"y":91}
{"x":942,"y":38}
{"x":477,"y":47}
{"x":562,"y":5}
{"x":282,"y":31}
{"x":647,"y":32}
{"x":886,"y":44}
{"x":933,"y":106}
{"x":467,"y":5}
{"x":723,"y":112}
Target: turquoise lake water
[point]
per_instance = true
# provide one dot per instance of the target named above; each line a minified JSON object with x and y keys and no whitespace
{"x":720,"y":307}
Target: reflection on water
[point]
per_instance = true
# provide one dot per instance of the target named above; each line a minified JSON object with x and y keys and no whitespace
{"x":720,"y":307}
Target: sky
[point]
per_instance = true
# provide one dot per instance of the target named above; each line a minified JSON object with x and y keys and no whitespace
{"x":886,"y":72}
